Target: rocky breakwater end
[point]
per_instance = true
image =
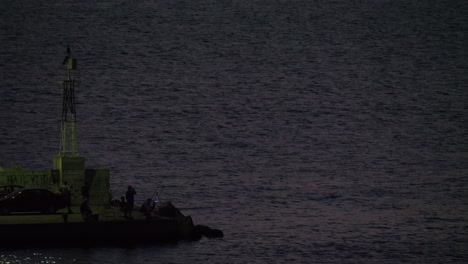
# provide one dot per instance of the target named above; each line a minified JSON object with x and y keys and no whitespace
{"x":207,"y":231}
{"x":190,"y":231}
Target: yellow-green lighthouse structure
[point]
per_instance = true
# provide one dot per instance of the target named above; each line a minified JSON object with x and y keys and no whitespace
{"x":68,"y":162}
{"x":68,"y":165}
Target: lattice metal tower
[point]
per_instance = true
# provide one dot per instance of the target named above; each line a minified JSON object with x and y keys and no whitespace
{"x":68,"y":139}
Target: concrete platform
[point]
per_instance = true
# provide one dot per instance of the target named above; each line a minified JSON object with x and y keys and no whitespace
{"x":105,"y":214}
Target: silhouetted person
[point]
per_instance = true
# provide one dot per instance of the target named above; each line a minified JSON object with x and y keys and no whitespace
{"x":148,"y":207}
{"x":85,"y":210}
{"x":130,"y":195}
{"x":66,"y":192}
{"x":123,"y":206}
{"x":85,"y":192}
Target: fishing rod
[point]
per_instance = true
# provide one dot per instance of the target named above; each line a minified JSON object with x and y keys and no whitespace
{"x":156,"y":192}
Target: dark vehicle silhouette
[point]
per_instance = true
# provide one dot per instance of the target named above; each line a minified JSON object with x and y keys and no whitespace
{"x":7,"y":189}
{"x":32,"y":200}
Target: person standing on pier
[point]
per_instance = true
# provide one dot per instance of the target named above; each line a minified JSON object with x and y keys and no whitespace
{"x":123,"y":206}
{"x":66,"y":192}
{"x":130,"y":196}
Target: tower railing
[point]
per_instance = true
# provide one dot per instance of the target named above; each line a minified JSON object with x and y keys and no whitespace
{"x":68,"y":138}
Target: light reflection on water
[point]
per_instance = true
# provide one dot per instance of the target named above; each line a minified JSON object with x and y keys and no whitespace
{"x":33,"y":257}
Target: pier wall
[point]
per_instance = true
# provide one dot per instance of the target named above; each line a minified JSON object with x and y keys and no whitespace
{"x":30,"y":178}
{"x":97,"y":183}
{"x":93,"y":181}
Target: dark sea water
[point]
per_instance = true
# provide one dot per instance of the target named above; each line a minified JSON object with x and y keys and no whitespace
{"x":308,"y":131}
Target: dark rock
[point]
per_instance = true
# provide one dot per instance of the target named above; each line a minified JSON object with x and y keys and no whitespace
{"x":207,"y":231}
{"x":188,"y":230}
{"x":202,"y":229}
{"x":215,"y":233}
{"x":168,"y":210}
{"x":195,"y":236}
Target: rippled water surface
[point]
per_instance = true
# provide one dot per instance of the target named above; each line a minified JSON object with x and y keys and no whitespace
{"x":308,"y":131}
